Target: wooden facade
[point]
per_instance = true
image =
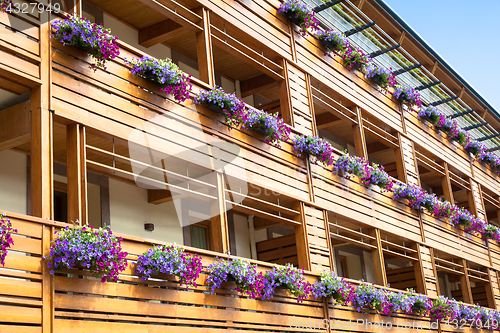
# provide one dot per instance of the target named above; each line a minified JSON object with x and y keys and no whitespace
{"x":84,"y":121}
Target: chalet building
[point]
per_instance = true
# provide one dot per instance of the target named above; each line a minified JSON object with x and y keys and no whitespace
{"x":106,"y":147}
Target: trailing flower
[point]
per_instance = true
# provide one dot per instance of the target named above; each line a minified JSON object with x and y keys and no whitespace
{"x":89,"y":37}
{"x":412,"y":304}
{"x":443,"y":209}
{"x":490,"y":158}
{"x":330,"y":285}
{"x":333,"y":40}
{"x":289,"y":278}
{"x":230,"y":105}
{"x":367,"y":296}
{"x":475,"y":147}
{"x":6,"y":231}
{"x":414,"y":194}
{"x":5,"y":5}
{"x":462,"y":217}
{"x":443,"y":309}
{"x":271,"y":125}
{"x":169,"y":259}
{"x":95,"y":249}
{"x":355,"y":58}
{"x":408,"y":96}
{"x":232,"y":269}
{"x":369,"y":174}
{"x":491,"y":232}
{"x":431,"y":114}
{"x":300,"y":14}
{"x":380,"y":75}
{"x":164,"y":72}
{"x":314,"y":146}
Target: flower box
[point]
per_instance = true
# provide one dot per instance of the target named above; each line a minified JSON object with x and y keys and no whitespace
{"x":89,"y":37}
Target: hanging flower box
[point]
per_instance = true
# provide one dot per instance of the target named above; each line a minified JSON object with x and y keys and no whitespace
{"x":170,"y":261}
{"x":270,"y":125}
{"x":165,"y":73}
{"x":330,"y":285}
{"x":314,"y":146}
{"x":333,"y":40}
{"x":287,"y":278}
{"x":232,"y":107}
{"x":382,"y":76}
{"x":408,"y":96}
{"x":234,"y":273}
{"x":300,"y":14}
{"x":355,"y":58}
{"x":89,"y":37}
{"x":97,"y":250}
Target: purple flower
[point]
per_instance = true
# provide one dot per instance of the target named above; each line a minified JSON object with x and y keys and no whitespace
{"x":169,"y":259}
{"x":333,"y":40}
{"x":408,"y":96}
{"x":355,"y":58}
{"x":96,"y":249}
{"x":89,"y":37}
{"x":271,"y":125}
{"x":381,"y":75}
{"x":314,"y":146}
{"x":165,"y":73}
{"x":300,"y":14}
{"x":230,"y":105}
{"x":6,"y":240}
{"x":289,"y":278}
{"x":5,"y":5}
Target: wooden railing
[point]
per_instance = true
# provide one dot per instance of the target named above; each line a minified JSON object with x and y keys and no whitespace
{"x":33,"y":300}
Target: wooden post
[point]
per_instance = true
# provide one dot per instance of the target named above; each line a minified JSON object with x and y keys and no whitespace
{"x":419,"y":271}
{"x":218,"y":228}
{"x":378,"y":259}
{"x":284,"y":93}
{"x":446,"y":184}
{"x":465,"y":284}
{"x":204,"y":49}
{"x":359,"y":135}
{"x":490,"y":294}
{"x":77,"y":173}
{"x":47,"y":283}
{"x":41,"y":130}
{"x":400,"y":161}
{"x":301,"y":238}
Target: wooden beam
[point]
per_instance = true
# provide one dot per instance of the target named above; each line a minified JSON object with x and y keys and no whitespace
{"x":359,"y":135}
{"x":402,"y":37}
{"x":490,"y":293}
{"x":326,"y":120}
{"x":159,"y":32}
{"x":219,"y":236}
{"x":301,"y":238}
{"x":285,"y":95}
{"x":15,"y":125}
{"x":361,"y":3}
{"x":204,"y":49}
{"x":257,"y":84}
{"x":465,"y":284}
{"x":41,"y":133}
{"x":76,"y":173}
{"x":419,"y":272}
{"x":434,"y":67}
{"x":446,"y":185}
{"x":378,"y":259}
{"x":177,"y":13}
{"x":400,"y":161}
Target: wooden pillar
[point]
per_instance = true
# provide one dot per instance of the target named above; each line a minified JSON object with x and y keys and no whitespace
{"x":301,"y":240}
{"x":76,"y":173}
{"x":400,"y":161}
{"x":378,"y":259}
{"x":418,"y":269}
{"x":490,"y":289}
{"x":446,"y":184}
{"x":41,"y":131}
{"x":284,"y":94}
{"x":219,"y":236}
{"x":204,"y":49}
{"x":465,"y":284}
{"x":359,"y":134}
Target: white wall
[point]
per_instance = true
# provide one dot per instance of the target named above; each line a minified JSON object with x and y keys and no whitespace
{"x":242,"y":236}
{"x":13,"y":180}
{"x":131,"y":37}
{"x":129,"y":210}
